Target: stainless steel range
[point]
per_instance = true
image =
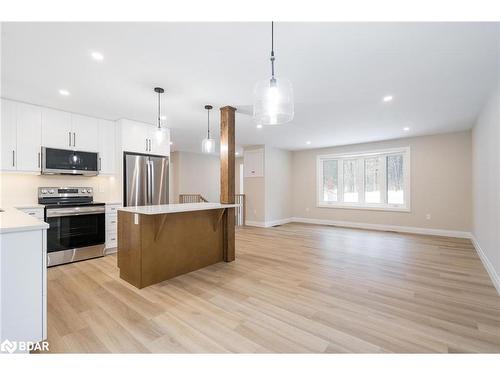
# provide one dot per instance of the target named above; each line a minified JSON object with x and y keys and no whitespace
{"x":76,"y":224}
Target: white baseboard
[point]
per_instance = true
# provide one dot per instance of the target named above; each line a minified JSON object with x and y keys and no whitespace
{"x":495,"y":278}
{"x":267,"y":224}
{"x":384,"y":227}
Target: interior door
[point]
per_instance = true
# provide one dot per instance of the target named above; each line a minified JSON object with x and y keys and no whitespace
{"x":158,"y":180}
{"x":136,"y":180}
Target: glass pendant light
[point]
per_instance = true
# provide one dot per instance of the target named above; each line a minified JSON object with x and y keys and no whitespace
{"x":208,"y":144}
{"x":160,"y":118}
{"x":273,"y":97}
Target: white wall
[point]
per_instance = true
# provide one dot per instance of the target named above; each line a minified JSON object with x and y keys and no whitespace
{"x":441,"y":171}
{"x":278,"y":184}
{"x":19,"y":189}
{"x":486,"y":186}
{"x":195,"y":173}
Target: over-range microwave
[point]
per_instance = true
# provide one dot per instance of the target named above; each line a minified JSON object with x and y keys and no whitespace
{"x":69,"y":162}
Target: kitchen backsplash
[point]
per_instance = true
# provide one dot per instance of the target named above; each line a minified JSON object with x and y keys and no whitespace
{"x":21,"y":189}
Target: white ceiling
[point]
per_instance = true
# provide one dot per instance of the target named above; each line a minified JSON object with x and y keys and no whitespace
{"x":439,"y":74}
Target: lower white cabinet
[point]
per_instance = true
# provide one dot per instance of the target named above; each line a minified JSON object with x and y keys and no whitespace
{"x":23,"y":287}
{"x":111,"y":228}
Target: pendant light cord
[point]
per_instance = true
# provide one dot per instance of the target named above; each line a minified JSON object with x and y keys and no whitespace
{"x":272,"y":50}
{"x":208,"y":123}
{"x":159,"y":111}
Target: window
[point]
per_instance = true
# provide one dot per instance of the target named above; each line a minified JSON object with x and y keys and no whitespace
{"x":371,"y":180}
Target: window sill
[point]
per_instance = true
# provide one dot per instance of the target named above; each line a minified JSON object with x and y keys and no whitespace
{"x":358,"y":207}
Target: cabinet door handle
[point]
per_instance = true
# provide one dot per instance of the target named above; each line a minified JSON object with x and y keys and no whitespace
{"x":38,"y":160}
{"x":146,"y":144}
{"x":13,"y":158}
{"x":74,"y":139}
{"x":69,"y":135}
{"x":150,"y":145}
{"x":99,"y":164}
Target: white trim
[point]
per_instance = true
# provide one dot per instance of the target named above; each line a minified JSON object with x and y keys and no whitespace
{"x":358,"y":154}
{"x":353,"y":206}
{"x":495,"y":278}
{"x":267,"y":224}
{"x":384,"y":227}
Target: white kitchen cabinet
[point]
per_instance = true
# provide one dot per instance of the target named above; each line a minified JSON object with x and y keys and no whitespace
{"x":29,"y":137}
{"x":111,"y":228}
{"x":144,"y":138}
{"x":21,"y":136}
{"x":253,"y":163}
{"x":107,"y":140}
{"x":23,"y":314}
{"x":56,"y":129}
{"x":84,"y":133}
{"x":8,"y":136}
{"x":134,"y":136}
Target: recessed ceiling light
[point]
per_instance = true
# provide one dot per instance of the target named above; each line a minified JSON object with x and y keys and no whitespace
{"x":406,"y":128}
{"x":163,"y":117}
{"x":308,"y":142}
{"x":97,"y":56}
{"x":64,"y":92}
{"x":387,"y":98}
{"x":171,"y":143}
{"x":259,"y":126}
{"x":236,"y":153}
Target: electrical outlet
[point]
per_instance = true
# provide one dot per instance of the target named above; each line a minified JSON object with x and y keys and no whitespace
{"x":428,"y":216}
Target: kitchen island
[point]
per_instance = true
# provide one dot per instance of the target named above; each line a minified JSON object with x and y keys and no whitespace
{"x":156,"y":243}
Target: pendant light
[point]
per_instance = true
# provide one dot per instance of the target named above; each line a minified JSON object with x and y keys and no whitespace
{"x":208,"y":144}
{"x":159,"y":91}
{"x":273,"y":97}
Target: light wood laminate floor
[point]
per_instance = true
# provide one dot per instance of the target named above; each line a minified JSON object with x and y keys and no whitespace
{"x":294,"y":288}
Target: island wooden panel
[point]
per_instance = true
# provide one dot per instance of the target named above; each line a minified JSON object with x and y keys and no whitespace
{"x":163,"y":246}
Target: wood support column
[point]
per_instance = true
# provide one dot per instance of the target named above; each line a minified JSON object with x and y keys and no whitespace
{"x":227,"y":176}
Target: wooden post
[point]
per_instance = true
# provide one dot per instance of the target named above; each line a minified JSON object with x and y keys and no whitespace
{"x":227,"y":175}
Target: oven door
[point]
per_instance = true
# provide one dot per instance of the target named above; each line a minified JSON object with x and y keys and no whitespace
{"x":75,"y":227}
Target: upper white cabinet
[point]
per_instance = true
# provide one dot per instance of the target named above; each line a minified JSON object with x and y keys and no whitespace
{"x":85,"y":132}
{"x":21,"y":137}
{"x":144,"y":138}
{"x":56,"y":129}
{"x":253,"y":163}
{"x":29,"y":137}
{"x":107,"y":139}
{"x":8,"y":135}
{"x":69,"y":131}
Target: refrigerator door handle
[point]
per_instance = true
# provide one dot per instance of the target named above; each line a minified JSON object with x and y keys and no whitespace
{"x":150,"y":182}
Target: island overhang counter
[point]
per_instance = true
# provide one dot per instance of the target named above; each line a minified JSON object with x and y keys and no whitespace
{"x":156,"y":243}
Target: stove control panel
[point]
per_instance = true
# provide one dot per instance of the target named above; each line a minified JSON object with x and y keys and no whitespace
{"x":64,"y":192}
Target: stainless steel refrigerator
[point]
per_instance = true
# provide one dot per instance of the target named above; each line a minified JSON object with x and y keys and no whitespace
{"x":145,"y":179}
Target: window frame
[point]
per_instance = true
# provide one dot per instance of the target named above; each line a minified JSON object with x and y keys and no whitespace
{"x":362,"y":155}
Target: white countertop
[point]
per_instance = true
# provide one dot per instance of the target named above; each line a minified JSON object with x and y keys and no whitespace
{"x":28,"y":206}
{"x":173,"y":208}
{"x":14,"y":220}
